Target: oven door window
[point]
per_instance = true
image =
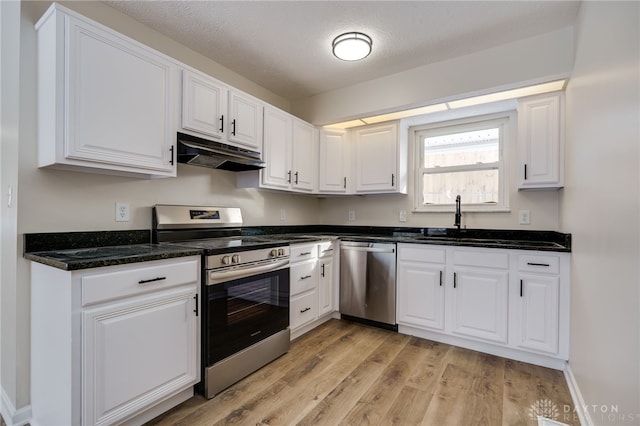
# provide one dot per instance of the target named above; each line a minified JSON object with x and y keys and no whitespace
{"x":244,"y":311}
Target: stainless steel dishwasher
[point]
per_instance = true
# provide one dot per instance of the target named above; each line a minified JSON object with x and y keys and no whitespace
{"x":368,"y":282}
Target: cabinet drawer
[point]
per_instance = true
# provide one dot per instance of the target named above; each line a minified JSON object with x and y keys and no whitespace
{"x":546,"y":264}
{"x":484,"y":258}
{"x":421,"y":253}
{"x":303,"y":252}
{"x":98,"y":288}
{"x":303,"y":309}
{"x":303,"y":276}
{"x":326,"y":248}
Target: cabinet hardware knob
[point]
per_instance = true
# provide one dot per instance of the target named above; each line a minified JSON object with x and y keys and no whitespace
{"x":525,"y":171}
{"x":296,"y":175}
{"x":455,"y":280}
{"x":305,"y":277}
{"x":233,"y":127}
{"x":520,"y":288}
{"x":305,"y":253}
{"x":392,"y":180}
{"x":302,"y":311}
{"x":289,"y":176}
{"x":345,"y":182}
{"x":440,"y":278}
{"x":171,"y":150}
{"x":222,"y":124}
{"x":152,"y":280}
{"x":538,"y":264}
{"x":322,"y":270}
{"x":196,"y":309}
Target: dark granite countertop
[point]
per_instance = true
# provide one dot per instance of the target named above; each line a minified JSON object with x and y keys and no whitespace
{"x":83,"y":250}
{"x":85,"y":258}
{"x":72,"y":251}
{"x":489,"y":238}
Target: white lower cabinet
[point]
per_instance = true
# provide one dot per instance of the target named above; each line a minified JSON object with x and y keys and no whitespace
{"x":511,"y":303}
{"x":479,"y":304}
{"x":327,"y":283}
{"x":111,"y":344}
{"x":312,"y":285}
{"x":540,"y":314}
{"x":421,"y":272}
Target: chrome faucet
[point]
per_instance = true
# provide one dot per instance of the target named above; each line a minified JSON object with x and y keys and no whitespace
{"x":458,"y":213}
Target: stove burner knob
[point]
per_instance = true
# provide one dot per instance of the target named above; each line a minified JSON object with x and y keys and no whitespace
{"x":281,"y":252}
{"x":235,"y":258}
{"x":273,"y":253}
{"x":226,"y":260}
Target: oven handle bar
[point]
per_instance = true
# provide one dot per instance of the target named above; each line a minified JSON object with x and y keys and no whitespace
{"x":216,"y":277}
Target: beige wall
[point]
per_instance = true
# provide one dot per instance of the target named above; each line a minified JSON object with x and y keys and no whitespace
{"x":600,"y":208}
{"x":10,"y":314}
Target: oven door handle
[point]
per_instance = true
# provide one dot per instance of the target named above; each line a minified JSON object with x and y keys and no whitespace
{"x":218,"y":276}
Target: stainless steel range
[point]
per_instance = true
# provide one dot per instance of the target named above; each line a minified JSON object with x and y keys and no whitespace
{"x":245,"y":290}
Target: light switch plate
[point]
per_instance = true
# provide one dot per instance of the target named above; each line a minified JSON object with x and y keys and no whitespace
{"x":402,"y":217}
{"x":525,"y":217}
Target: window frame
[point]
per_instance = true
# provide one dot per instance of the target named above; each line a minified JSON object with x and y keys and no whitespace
{"x":505,"y":121}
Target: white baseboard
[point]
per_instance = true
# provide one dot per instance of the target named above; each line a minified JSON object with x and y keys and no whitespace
{"x":576,"y":396}
{"x":10,"y":415}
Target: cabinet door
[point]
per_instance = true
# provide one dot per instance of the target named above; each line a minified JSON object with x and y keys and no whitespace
{"x":540,"y":137}
{"x":136,"y":353}
{"x":119,"y":101}
{"x":245,"y":121}
{"x":203,"y":104}
{"x":376,"y":151}
{"x":538,"y":312}
{"x":479,"y":303}
{"x":333,"y":164}
{"x":325,"y":285}
{"x":304,"y":156}
{"x":421,"y":295}
{"x":277,"y":149}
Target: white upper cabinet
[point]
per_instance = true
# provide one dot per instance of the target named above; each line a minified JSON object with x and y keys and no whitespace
{"x":203,"y":104}
{"x":214,"y":110}
{"x":334,"y":152}
{"x":289,"y":150}
{"x":304,"y":156}
{"x":277,"y":149}
{"x":541,"y":142}
{"x":245,"y":125}
{"x":376,"y":158}
{"x":106,"y":103}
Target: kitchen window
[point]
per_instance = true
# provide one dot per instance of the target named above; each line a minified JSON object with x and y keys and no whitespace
{"x":466,"y":158}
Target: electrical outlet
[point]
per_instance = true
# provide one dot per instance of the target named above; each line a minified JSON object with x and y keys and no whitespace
{"x":352,"y":215}
{"x":525,"y":217}
{"x":402,"y":217}
{"x":283,"y":215}
{"x":122,"y":212}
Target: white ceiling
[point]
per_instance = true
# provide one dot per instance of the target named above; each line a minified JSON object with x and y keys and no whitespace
{"x":285,"y":46}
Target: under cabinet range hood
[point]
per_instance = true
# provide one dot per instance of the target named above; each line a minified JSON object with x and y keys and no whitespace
{"x":216,"y":155}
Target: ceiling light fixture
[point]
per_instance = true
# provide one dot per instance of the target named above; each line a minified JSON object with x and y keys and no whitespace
{"x":352,"y":46}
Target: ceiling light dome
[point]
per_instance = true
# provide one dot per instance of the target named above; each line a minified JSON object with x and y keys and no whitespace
{"x":352,"y":46}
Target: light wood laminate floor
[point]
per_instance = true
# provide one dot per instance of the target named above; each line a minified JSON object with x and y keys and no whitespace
{"x":343,"y":373}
